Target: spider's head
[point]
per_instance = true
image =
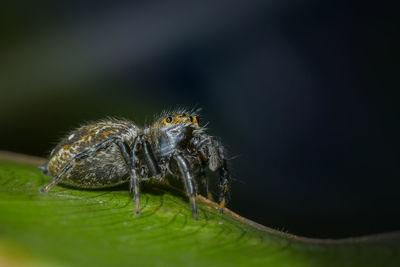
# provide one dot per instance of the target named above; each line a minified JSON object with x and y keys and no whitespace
{"x":174,"y":130}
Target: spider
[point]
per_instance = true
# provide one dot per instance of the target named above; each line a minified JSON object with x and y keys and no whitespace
{"x":111,"y":152}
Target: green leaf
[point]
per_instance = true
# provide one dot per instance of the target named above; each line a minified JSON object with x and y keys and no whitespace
{"x":72,"y":227}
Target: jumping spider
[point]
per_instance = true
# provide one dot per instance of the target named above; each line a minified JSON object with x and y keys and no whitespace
{"x":111,"y":152}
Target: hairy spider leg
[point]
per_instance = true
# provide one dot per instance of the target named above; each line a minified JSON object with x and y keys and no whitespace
{"x":134,"y":186}
{"x":151,"y":161}
{"x":130,"y":160}
{"x":204,"y":181}
{"x":202,"y":174}
{"x":77,"y":158}
{"x":224,"y":179}
{"x":188,"y":182}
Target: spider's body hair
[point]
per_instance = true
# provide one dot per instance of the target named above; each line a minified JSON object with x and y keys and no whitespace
{"x":113,"y":151}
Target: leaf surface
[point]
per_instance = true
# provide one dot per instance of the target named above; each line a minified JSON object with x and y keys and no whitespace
{"x":72,"y":227}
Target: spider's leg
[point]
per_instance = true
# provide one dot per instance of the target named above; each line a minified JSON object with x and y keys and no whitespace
{"x":151,"y":161}
{"x":204,"y":181}
{"x":77,"y":158}
{"x":224,"y":179}
{"x":188,"y":181}
{"x":216,"y":160}
{"x":134,"y":186}
{"x":57,"y":178}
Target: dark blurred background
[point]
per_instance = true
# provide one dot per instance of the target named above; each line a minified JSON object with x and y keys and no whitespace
{"x":304,"y":93}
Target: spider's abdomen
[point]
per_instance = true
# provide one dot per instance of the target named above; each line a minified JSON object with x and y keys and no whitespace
{"x":106,"y":167}
{"x":103,"y":169}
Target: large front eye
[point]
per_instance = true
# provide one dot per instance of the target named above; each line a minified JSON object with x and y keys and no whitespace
{"x":168,"y":119}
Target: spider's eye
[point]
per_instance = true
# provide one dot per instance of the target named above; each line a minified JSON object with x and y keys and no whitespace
{"x":168,"y":119}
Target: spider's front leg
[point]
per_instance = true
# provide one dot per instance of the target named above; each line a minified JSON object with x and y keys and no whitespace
{"x":213,"y":152}
{"x":204,"y":181}
{"x":224,"y":179}
{"x":188,"y":182}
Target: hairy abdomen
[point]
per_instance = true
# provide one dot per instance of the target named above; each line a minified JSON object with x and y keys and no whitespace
{"x":103,"y":168}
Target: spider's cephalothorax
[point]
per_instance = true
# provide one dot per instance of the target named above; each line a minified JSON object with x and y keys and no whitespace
{"x":111,"y":152}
